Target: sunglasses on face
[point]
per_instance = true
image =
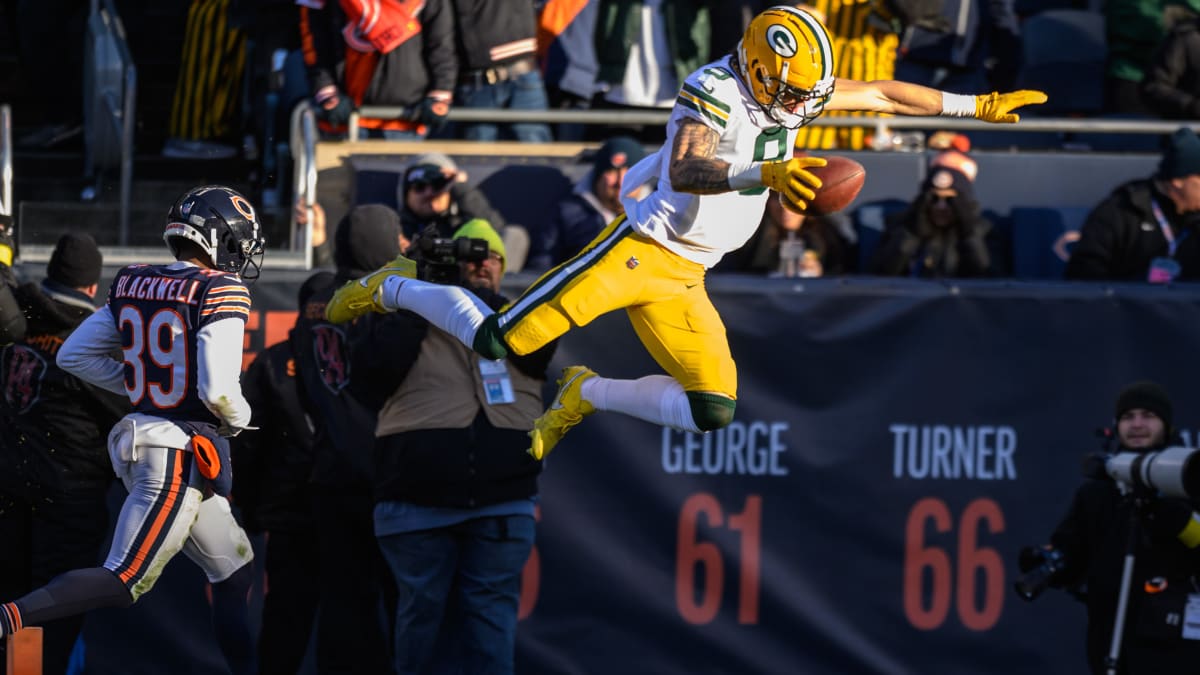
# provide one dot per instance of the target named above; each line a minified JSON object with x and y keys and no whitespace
{"x":423,"y":184}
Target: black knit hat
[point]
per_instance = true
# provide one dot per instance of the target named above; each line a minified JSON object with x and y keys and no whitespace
{"x":367,"y":238}
{"x":1181,"y":156}
{"x":618,"y":152}
{"x":318,"y":282}
{"x":76,"y":261}
{"x":1147,"y":396}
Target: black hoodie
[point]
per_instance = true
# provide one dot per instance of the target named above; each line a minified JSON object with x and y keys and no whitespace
{"x":55,"y":425}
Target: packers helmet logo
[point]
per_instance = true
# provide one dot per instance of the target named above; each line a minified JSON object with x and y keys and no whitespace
{"x":243,"y":207}
{"x":781,"y":41}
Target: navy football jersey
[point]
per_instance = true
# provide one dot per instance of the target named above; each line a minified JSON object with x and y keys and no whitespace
{"x":159,"y":312}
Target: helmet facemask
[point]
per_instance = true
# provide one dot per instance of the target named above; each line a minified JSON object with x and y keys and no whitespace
{"x":793,"y":107}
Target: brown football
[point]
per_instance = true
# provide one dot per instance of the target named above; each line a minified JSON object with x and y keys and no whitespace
{"x":842,"y":179}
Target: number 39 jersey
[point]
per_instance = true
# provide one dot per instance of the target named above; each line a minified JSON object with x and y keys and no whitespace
{"x":161,"y":313}
{"x":702,"y":228}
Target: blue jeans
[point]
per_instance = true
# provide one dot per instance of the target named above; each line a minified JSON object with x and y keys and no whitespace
{"x":458,"y":592}
{"x":525,"y":92}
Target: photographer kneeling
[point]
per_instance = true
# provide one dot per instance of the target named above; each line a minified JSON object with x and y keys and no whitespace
{"x":454,"y":486}
{"x":1089,"y":547}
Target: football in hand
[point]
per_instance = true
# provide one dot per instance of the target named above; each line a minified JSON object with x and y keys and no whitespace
{"x":841,"y":180}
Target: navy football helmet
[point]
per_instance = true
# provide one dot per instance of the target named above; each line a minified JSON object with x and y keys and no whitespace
{"x":223,"y":223}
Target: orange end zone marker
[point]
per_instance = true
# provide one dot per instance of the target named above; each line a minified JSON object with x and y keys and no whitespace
{"x":24,"y":653}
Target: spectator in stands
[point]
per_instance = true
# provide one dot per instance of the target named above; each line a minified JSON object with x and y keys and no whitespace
{"x":398,"y":56}
{"x":1133,"y":31}
{"x":594,"y":203}
{"x":434,"y":195}
{"x":205,"y":121}
{"x":355,"y":587}
{"x":272,"y":466}
{"x":12,"y":318}
{"x":975,"y":46}
{"x":54,"y":466}
{"x":497,"y":54}
{"x":1147,"y":229}
{"x":865,"y":40}
{"x":454,"y":486}
{"x":1172,"y":84}
{"x":567,"y":52}
{"x":790,"y":244}
{"x":646,"y":48}
{"x":942,"y":233}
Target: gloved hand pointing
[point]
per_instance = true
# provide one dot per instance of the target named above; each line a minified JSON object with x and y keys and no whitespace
{"x":997,"y":107}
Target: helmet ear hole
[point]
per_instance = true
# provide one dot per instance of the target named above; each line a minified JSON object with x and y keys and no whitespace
{"x":221,"y":222}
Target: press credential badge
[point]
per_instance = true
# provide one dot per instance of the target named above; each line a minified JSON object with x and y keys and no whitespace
{"x":497,"y":384}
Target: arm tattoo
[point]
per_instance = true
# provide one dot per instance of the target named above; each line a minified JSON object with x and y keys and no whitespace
{"x":694,"y":166}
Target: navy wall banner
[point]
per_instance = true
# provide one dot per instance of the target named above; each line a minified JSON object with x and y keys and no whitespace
{"x":895,"y":444}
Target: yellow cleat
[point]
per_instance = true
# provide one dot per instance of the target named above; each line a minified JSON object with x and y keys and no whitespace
{"x":566,"y":410}
{"x":363,"y":295}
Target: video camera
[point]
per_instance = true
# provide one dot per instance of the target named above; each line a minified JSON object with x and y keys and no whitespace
{"x":438,"y":258}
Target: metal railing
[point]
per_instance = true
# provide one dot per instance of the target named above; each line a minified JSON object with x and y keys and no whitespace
{"x":660,"y":117}
{"x":6,"y":161}
{"x":304,"y":136}
{"x":110,"y":96}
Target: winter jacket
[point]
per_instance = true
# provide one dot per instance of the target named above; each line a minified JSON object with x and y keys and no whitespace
{"x":1121,"y":236}
{"x":272,"y":464}
{"x":620,"y":24}
{"x":913,"y":246}
{"x":1093,"y":537}
{"x":440,"y":443}
{"x":577,"y":222}
{"x":1172,"y":85}
{"x":55,"y":425}
{"x":494,"y":32}
{"x":403,"y":76}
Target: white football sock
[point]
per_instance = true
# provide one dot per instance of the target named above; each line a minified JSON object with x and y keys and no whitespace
{"x":655,"y":398}
{"x":451,"y":308}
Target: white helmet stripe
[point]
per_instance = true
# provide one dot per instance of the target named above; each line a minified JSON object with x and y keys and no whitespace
{"x":822,"y":36}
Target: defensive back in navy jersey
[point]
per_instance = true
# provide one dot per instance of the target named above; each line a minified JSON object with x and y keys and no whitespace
{"x":161,"y":312}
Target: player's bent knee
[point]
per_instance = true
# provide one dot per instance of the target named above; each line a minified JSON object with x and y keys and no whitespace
{"x":711,"y":411}
{"x":489,"y":341}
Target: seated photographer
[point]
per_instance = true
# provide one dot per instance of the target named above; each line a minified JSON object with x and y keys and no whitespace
{"x":454,"y":485}
{"x":434,"y":193}
{"x":1089,"y":546}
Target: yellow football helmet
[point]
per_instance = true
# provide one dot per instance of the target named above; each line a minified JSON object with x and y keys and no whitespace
{"x":786,"y":59}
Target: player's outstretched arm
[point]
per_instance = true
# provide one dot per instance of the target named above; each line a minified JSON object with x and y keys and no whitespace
{"x":905,"y":98}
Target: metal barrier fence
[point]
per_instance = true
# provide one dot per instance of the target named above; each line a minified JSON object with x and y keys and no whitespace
{"x":6,"y":160}
{"x":110,"y":94}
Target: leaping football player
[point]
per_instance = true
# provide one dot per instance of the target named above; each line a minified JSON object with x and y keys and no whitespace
{"x":729,"y":139}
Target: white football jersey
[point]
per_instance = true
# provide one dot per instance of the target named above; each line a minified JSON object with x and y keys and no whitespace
{"x":703,"y":228}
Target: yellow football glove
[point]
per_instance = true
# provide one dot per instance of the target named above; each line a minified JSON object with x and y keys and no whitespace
{"x":997,"y":107}
{"x":792,"y":178}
